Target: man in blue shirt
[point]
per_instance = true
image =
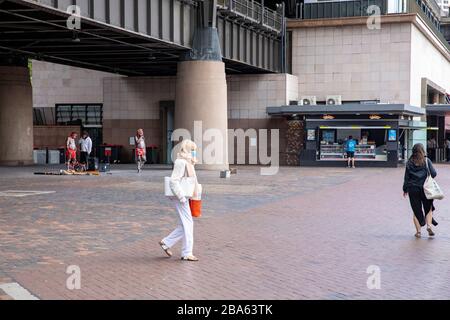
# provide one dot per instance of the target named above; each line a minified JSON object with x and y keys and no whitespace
{"x":350,"y":147}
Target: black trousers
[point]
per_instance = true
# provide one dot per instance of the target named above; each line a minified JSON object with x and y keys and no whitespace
{"x":420,"y":205}
{"x":84,"y":157}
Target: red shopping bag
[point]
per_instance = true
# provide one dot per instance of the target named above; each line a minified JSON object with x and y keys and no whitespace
{"x":196,"y":208}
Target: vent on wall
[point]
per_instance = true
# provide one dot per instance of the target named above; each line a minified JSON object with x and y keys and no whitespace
{"x":308,"y":100}
{"x":334,"y":100}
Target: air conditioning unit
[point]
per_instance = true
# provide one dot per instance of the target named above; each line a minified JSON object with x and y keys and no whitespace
{"x":334,"y":100}
{"x":308,"y":100}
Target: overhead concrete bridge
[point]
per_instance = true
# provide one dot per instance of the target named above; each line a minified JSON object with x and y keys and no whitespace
{"x":196,"y":40}
{"x":139,"y":37}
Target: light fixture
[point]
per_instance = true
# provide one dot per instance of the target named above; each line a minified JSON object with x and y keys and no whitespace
{"x":328,"y":117}
{"x":374,"y":117}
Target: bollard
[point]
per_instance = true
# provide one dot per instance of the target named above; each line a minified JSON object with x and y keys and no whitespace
{"x":225,"y":174}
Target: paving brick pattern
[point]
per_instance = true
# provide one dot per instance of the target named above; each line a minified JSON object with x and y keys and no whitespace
{"x":307,"y":233}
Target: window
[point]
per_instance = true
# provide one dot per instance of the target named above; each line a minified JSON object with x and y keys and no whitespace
{"x":371,"y":142}
{"x":87,"y":115}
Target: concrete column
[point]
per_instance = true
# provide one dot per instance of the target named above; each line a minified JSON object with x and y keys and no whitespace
{"x":201,"y":95}
{"x":16,"y":116}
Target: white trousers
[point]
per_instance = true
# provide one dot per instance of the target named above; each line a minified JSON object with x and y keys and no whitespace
{"x":184,"y":231}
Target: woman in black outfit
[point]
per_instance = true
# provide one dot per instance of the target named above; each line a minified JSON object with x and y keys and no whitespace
{"x":415,"y":175}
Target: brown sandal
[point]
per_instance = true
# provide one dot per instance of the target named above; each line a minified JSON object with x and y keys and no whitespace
{"x":418,"y":235}
{"x":190,"y":258}
{"x":430,"y":232}
{"x":166,"y":249}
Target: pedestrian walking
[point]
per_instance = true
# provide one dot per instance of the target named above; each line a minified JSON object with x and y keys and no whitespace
{"x":141,"y":150}
{"x":85,"y":148}
{"x":350,"y":147}
{"x":183,"y":167}
{"x":417,"y":170}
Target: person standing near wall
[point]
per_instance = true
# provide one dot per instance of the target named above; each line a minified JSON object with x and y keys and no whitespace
{"x":183,"y":166}
{"x":141,"y":151}
{"x":417,"y":170}
{"x":71,"y":150}
{"x":85,"y":148}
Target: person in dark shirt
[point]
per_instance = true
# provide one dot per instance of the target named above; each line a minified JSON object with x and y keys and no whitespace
{"x":417,"y":170}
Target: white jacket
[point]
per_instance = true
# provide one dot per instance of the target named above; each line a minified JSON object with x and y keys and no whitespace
{"x":86,"y":145}
{"x":179,"y":171}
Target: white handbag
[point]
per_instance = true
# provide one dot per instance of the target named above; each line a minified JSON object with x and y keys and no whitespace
{"x":198,"y":193}
{"x":187,"y":185}
{"x":431,"y":188}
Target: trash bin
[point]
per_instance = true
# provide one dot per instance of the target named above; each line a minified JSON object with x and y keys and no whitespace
{"x":153,"y":154}
{"x":40,"y":156}
{"x":109,"y":153}
{"x":54,"y":157}
{"x":62,"y":155}
{"x":116,"y":153}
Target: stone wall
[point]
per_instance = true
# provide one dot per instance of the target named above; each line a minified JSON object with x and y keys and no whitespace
{"x":53,"y":137}
{"x":353,"y":61}
{"x":54,"y":84}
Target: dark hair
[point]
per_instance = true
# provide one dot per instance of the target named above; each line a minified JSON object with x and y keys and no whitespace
{"x":85,"y":133}
{"x":419,"y":155}
{"x":350,"y":137}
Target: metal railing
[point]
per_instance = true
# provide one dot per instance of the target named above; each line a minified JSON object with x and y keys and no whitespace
{"x":420,"y":7}
{"x":254,"y":12}
{"x":339,"y":9}
{"x":426,"y":11}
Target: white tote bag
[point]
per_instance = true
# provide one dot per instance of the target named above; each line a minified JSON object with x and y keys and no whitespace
{"x":431,"y":188}
{"x":187,"y":185}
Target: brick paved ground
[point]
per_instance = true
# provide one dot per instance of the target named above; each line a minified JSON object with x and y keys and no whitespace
{"x":307,"y":233}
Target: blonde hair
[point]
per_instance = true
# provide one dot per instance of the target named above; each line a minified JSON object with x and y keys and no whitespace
{"x":186,"y":146}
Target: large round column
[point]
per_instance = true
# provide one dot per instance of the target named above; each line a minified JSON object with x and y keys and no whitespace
{"x":16,"y":116}
{"x":201,"y":108}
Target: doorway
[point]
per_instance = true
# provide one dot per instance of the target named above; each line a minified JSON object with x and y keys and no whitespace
{"x":167,"y":116}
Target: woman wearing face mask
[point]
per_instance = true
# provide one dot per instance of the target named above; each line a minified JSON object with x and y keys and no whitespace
{"x":183,"y":166}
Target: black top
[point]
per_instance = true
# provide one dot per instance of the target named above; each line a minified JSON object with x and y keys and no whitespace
{"x":415,"y":176}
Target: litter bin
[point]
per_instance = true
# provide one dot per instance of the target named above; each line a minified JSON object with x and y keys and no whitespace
{"x":152,"y":154}
{"x":54,"y":157}
{"x":109,"y":153}
{"x":40,"y":156}
{"x":62,"y":155}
